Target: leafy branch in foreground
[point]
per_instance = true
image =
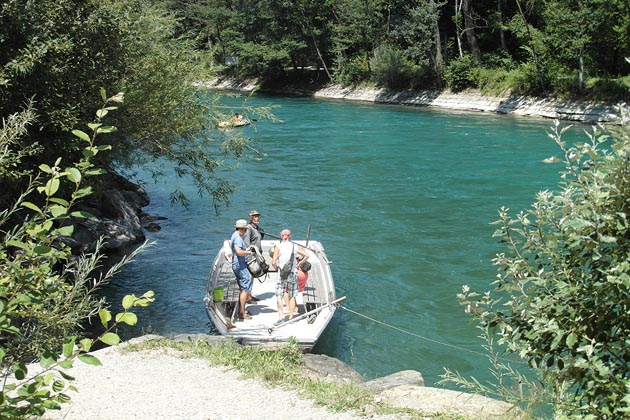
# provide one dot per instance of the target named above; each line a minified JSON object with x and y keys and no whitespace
{"x":45,"y":291}
{"x":561,"y":301}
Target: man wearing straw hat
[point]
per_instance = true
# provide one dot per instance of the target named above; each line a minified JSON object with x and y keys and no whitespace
{"x":239,"y":266}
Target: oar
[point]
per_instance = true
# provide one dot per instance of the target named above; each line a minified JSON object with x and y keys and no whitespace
{"x":308,"y":233}
{"x":306,"y":314}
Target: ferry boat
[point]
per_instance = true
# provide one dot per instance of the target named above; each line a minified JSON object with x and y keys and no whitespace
{"x":316,"y":302}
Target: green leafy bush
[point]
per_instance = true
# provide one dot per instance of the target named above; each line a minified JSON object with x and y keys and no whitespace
{"x":561,"y":301}
{"x":524,"y":80}
{"x":353,"y":72}
{"x":45,"y":291}
{"x":461,"y":73}
{"x":390,"y":68}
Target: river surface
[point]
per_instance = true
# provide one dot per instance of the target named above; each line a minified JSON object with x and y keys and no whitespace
{"x":402,"y":199}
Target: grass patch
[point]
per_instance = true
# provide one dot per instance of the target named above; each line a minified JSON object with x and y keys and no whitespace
{"x":281,"y":367}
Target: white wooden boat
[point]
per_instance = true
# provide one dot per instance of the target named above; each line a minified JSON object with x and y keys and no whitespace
{"x":316,"y":304}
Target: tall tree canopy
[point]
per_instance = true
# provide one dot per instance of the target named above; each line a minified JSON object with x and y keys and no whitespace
{"x":538,"y":47}
{"x":59,"y":53}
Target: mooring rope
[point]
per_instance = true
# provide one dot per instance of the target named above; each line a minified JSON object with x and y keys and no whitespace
{"x":427,"y":338}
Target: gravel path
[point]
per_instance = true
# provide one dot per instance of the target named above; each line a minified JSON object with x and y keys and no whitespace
{"x":155,"y":385}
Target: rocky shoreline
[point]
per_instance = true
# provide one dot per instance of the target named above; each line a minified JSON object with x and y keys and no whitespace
{"x":474,"y":101}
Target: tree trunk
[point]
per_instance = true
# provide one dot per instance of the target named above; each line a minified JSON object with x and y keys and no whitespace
{"x":469,"y":27}
{"x":319,"y":53}
{"x":438,"y":59}
{"x":458,"y":28}
{"x":581,"y":71}
{"x":500,"y":19}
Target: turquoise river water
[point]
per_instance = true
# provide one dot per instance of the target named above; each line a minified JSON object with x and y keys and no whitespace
{"x":402,"y":199}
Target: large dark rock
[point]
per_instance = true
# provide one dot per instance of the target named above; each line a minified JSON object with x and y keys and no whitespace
{"x":115,"y":217}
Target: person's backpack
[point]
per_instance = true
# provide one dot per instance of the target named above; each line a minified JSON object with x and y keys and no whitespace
{"x":285,"y":270}
{"x":256,"y":264}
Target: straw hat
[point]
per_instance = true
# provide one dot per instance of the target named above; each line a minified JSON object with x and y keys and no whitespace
{"x":240,"y":224}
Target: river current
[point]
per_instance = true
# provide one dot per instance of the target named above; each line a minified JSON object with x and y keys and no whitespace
{"x":402,"y":199}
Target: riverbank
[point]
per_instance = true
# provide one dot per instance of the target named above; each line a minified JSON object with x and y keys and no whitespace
{"x":583,"y":112}
{"x":164,"y":384}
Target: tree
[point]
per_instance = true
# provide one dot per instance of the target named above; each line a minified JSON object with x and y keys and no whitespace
{"x":357,"y":30}
{"x":561,"y":300}
{"x":56,"y":51}
{"x":418,"y":33}
{"x":469,"y":28}
{"x":46,"y":293}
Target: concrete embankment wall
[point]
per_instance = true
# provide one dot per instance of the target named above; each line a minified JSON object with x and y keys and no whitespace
{"x":584,"y":112}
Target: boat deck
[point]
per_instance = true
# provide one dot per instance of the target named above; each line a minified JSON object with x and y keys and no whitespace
{"x":308,"y":321}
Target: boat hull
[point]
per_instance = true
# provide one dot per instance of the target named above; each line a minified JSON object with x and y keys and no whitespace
{"x":316,"y":303}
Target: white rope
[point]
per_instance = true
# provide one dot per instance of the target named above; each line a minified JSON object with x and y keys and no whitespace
{"x":425,"y":338}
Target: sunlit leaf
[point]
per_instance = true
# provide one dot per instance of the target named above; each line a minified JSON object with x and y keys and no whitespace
{"x":105,"y":317}
{"x":45,"y":168}
{"x":47,"y":361}
{"x":128,"y":318}
{"x":52,"y":186}
{"x":86,"y":344}
{"x":93,"y":172}
{"x":106,"y":129}
{"x":59,"y":201}
{"x":31,"y":206}
{"x":82,"y":135}
{"x":68,"y":347}
{"x":89,"y":359}
{"x":82,"y":214}
{"x":73,"y":175}
{"x":128,"y":301}
{"x":17,"y":244}
{"x":110,"y":339}
{"x":65,"y":230}
{"x":58,"y":211}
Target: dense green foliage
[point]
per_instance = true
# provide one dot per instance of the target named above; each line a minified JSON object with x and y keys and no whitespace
{"x":541,"y":47}
{"x":45,"y":292}
{"x":561,"y":300}
{"x":57,"y":53}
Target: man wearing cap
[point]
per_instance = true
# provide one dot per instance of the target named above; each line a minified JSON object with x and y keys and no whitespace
{"x":253,"y":237}
{"x":284,"y":254}
{"x":255,"y":233}
{"x":239,"y":266}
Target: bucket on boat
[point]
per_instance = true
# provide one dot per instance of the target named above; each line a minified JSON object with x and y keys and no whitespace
{"x":218,"y":294}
